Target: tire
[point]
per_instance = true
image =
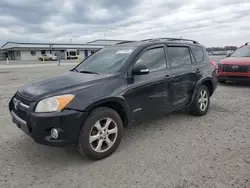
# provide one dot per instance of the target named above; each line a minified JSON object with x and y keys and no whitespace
{"x":196,"y":108}
{"x":40,"y":59}
{"x":90,"y":148}
{"x":50,"y":59}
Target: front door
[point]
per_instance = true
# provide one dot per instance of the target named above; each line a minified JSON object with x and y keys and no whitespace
{"x":148,"y":94}
{"x":183,"y":74}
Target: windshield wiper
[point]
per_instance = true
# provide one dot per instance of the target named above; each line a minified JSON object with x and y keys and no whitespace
{"x":75,"y":70}
{"x":88,"y":72}
{"x":84,"y":71}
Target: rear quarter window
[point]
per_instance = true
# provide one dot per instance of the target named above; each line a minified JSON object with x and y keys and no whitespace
{"x":198,"y":53}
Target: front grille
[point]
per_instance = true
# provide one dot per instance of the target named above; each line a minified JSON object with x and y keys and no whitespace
{"x":22,"y":99}
{"x":21,"y":112}
{"x":235,"y":68}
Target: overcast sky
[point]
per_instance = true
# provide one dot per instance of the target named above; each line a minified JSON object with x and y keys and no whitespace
{"x":211,"y":22}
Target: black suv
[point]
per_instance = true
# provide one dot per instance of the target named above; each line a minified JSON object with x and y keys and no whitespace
{"x":88,"y":106}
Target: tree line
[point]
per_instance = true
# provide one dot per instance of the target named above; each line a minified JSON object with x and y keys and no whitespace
{"x":225,"y":48}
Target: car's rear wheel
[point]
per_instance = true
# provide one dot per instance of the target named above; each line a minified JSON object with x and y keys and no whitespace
{"x":101,"y":133}
{"x":50,"y":59}
{"x":201,"y":102}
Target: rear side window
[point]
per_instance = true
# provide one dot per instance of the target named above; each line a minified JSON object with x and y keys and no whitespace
{"x":198,"y":53}
{"x":179,"y":56}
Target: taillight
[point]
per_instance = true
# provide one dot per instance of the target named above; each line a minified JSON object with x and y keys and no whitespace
{"x":214,"y":64}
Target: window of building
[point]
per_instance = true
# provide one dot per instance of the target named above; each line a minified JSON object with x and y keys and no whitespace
{"x":72,"y":53}
{"x":18,"y":53}
{"x":43,"y":52}
{"x":198,"y":53}
{"x":154,"y":59}
{"x":179,"y":56}
{"x":33,"y":53}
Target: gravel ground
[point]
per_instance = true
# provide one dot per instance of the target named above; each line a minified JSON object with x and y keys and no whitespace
{"x":176,"y":151}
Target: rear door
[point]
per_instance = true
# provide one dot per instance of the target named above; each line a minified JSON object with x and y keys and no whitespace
{"x":184,"y":74}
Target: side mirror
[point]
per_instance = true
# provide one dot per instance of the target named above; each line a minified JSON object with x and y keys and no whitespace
{"x":140,"y":69}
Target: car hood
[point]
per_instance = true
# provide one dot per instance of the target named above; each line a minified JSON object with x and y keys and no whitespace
{"x":236,"y":60}
{"x":62,"y":83}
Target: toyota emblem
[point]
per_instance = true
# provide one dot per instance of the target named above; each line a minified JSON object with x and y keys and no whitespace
{"x":16,"y":103}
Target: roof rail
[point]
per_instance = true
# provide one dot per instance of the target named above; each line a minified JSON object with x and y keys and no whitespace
{"x":173,"y":39}
{"x":124,"y":42}
{"x":247,"y":43}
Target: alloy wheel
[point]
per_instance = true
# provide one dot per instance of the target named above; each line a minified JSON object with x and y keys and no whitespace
{"x":103,"y":135}
{"x":203,"y":100}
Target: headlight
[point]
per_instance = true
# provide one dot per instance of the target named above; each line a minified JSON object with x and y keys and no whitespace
{"x":53,"y":104}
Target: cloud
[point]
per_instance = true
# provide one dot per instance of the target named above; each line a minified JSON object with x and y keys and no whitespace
{"x":212,"y":23}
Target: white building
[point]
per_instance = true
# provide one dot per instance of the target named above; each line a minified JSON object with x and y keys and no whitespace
{"x":32,"y":51}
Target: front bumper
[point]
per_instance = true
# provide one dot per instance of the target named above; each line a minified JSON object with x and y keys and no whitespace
{"x":39,"y":125}
{"x":232,"y":76}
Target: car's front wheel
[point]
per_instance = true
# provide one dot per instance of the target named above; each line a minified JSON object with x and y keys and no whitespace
{"x":201,"y":101}
{"x":101,"y":133}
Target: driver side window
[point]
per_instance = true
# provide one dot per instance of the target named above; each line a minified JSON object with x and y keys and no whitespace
{"x":154,"y":59}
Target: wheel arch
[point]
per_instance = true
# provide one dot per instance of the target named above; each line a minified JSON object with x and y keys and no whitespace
{"x":116,"y":103}
{"x":207,"y":82}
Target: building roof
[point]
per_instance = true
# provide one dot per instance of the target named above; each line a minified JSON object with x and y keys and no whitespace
{"x":96,"y":44}
{"x":11,"y":45}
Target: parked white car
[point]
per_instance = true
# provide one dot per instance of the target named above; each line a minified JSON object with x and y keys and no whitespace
{"x":48,"y":57}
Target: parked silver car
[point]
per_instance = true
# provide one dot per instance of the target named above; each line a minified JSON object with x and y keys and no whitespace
{"x":48,"y":57}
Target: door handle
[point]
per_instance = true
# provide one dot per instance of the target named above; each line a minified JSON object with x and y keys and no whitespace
{"x":168,"y":77}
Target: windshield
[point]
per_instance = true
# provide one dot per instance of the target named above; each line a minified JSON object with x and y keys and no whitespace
{"x":106,"y":60}
{"x":242,"y":52}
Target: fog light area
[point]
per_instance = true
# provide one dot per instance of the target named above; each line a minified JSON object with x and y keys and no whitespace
{"x":54,"y":133}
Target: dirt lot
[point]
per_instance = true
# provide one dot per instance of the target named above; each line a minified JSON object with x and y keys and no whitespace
{"x":178,"y":150}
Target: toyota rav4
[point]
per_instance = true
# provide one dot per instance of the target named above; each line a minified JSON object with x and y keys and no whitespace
{"x":88,"y":106}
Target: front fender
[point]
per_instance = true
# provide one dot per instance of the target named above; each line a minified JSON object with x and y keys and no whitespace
{"x":87,"y":106}
{"x":119,"y":100}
